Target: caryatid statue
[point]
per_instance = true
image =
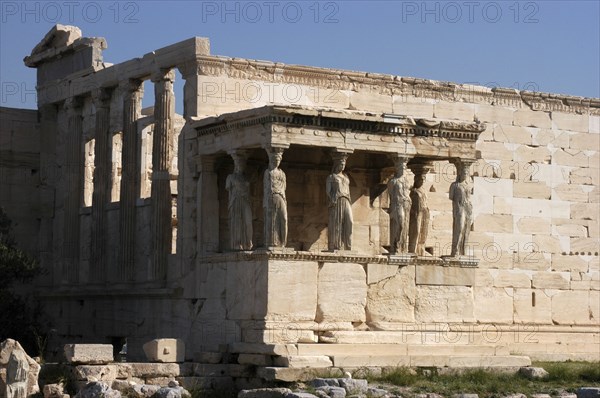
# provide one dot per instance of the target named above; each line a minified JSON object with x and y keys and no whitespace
{"x":399,"y":207}
{"x":462,"y":209}
{"x":240,"y":211}
{"x":340,"y":211}
{"x":274,"y":201}
{"x":419,"y":211}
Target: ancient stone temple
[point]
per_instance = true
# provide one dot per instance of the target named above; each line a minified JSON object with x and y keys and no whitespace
{"x":297,"y":217}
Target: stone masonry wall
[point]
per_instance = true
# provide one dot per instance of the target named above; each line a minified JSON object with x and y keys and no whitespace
{"x":20,"y":174}
{"x":536,"y":195}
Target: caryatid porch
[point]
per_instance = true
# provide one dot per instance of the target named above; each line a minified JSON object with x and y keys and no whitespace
{"x":309,"y":141}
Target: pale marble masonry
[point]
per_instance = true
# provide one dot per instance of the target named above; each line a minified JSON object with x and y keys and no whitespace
{"x":532,"y":257}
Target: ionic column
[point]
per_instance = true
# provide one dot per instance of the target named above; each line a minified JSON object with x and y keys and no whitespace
{"x":101,"y":192}
{"x":419,"y":210}
{"x":162,"y":231}
{"x":73,"y":175}
{"x":132,"y":93}
{"x":207,"y":207}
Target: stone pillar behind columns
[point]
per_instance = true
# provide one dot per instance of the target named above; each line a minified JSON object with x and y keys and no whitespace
{"x":189,"y":72}
{"x":48,"y":173}
{"x":100,"y":196}
{"x":419,"y":211}
{"x":73,"y":175}
{"x":207,"y":207}
{"x":162,"y":232}
{"x":132,"y":92}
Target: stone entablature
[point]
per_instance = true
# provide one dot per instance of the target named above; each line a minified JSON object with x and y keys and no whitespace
{"x":361,"y":131}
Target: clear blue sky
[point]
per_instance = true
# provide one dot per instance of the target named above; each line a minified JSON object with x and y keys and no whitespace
{"x":549,"y":46}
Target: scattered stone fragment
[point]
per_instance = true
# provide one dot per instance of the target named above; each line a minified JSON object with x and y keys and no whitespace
{"x":533,"y":373}
{"x":145,"y":390}
{"x":165,"y":350}
{"x":21,"y":370}
{"x":541,"y":396}
{"x":518,"y":395}
{"x":377,"y":392}
{"x":588,"y":392}
{"x":325,"y":382}
{"x":300,"y":395}
{"x":93,"y":354}
{"x":354,"y":386}
{"x":265,"y":393}
{"x":55,"y":391}
{"x":465,"y":396}
{"x":172,"y":392}
{"x":333,"y":392}
{"x":97,"y":389}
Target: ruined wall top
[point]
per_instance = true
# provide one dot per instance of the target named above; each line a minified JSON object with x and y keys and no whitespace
{"x":192,"y":56}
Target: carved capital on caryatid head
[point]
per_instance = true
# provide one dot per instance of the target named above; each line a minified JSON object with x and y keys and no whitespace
{"x":340,"y":156}
{"x":463,"y":167}
{"x":163,"y":75}
{"x":420,"y":166}
{"x":101,"y":97}
{"x":240,"y":157}
{"x":400,"y":162}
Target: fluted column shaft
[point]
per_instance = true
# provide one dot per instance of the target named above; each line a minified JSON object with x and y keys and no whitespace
{"x":101,"y":188}
{"x":74,"y":154}
{"x":164,"y":112}
{"x":132,"y":92}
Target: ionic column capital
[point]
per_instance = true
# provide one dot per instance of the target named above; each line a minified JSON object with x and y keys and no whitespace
{"x":163,"y":75}
{"x":101,"y":97}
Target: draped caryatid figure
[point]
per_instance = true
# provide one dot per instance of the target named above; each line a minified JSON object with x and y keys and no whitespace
{"x":340,"y":211}
{"x":240,"y":210}
{"x":274,"y":201}
{"x":399,"y":207}
{"x":462,"y":209}
{"x":419,"y":212}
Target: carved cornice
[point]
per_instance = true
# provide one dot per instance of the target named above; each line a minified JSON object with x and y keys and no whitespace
{"x":341,"y":121}
{"x":337,"y":257}
{"x":392,"y":85}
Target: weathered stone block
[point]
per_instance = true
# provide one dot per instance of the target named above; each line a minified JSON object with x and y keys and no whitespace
{"x":551,"y":280}
{"x":528,"y":118}
{"x":165,"y":350}
{"x":342,"y":292}
{"x":89,"y":353}
{"x":532,"y":306}
{"x":445,"y":276}
{"x":292,"y":291}
{"x":534,"y":225}
{"x":392,"y":298}
{"x":508,"y":134}
{"x":452,"y":303}
{"x":493,"y":305}
{"x":571,"y":307}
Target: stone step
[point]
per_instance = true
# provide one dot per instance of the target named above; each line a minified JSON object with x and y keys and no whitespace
{"x":506,"y":335}
{"x":455,"y":361}
{"x":400,"y":349}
